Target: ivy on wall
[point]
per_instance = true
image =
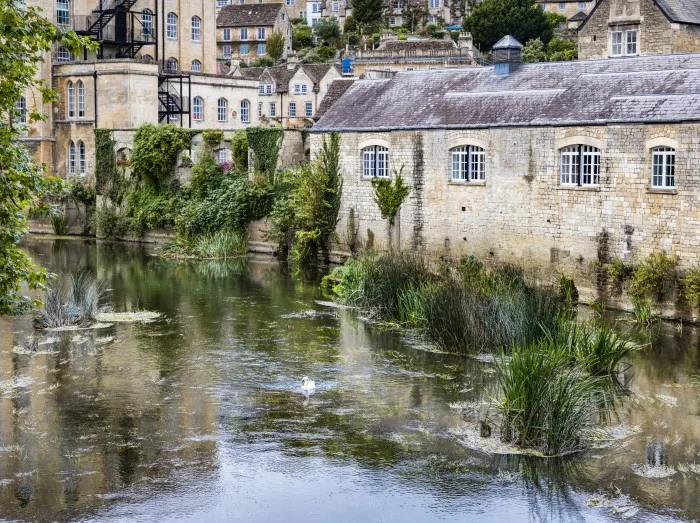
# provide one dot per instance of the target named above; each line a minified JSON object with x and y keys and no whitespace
{"x":105,"y":161}
{"x":265,"y":143}
{"x":155,"y":151}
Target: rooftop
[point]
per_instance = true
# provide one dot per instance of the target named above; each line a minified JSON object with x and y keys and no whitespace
{"x":248,"y":15}
{"x":595,"y":92}
{"x":682,"y":11}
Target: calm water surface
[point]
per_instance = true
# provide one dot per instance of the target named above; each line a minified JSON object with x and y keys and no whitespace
{"x":199,"y":417}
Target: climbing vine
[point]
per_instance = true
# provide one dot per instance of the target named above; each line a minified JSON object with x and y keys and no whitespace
{"x":239,"y":148}
{"x":105,"y":160}
{"x":389,"y":196}
{"x":212,"y":137}
{"x":155,"y":151}
{"x":265,"y":143}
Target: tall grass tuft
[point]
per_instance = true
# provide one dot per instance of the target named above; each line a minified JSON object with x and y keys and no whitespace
{"x":643,"y":311}
{"x":547,"y":404}
{"x":71,"y":300}
{"x":59,"y":223}
{"x":221,"y":244}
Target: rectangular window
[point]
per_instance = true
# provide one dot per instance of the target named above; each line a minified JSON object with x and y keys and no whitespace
{"x":226,"y":51}
{"x":265,"y":89}
{"x":262,"y":49}
{"x":244,"y":49}
{"x":631,"y":37}
{"x":375,"y":162}
{"x":260,"y":109}
{"x":434,"y":4}
{"x":261,"y":33}
{"x":309,"y":109}
{"x":336,"y":7}
{"x":301,"y":88}
{"x":81,"y":100}
{"x":616,"y":43}
{"x":580,"y":165}
{"x":63,"y":12}
{"x":221,"y":3}
{"x":227,"y":35}
{"x":171,"y":26}
{"x":392,"y":20}
{"x":663,"y":175}
{"x":590,"y":166}
{"x":223,"y":155}
{"x":316,"y":7}
{"x":292,"y":109}
{"x":244,"y":33}
{"x":469,"y":163}
{"x":273,"y":109}
{"x":290,"y":3}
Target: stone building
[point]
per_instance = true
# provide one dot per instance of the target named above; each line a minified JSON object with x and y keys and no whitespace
{"x":413,"y":55}
{"x":623,"y":28}
{"x":242,"y":30}
{"x":296,"y":9}
{"x":567,"y":8}
{"x":552,"y":165}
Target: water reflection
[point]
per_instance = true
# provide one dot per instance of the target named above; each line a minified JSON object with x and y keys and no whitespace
{"x":201,"y":414}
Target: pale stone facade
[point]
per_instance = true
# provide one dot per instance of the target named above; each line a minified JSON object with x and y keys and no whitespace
{"x":242,"y":31}
{"x":567,"y":8}
{"x":652,"y":29}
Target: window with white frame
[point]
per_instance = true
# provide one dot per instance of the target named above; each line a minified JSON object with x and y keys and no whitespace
{"x":171,"y":26}
{"x":245,"y":111}
{"x":226,"y":51}
{"x":63,"y":12}
{"x":71,"y":158}
{"x":396,"y":4}
{"x":375,"y":162}
{"x":663,"y":167}
{"x":222,"y":155}
{"x":20,"y":110}
{"x":196,"y":29}
{"x":63,"y":55}
{"x":290,"y":3}
{"x":262,"y":49}
{"x":244,"y":33}
{"x":173,"y":108}
{"x":198,"y":108}
{"x":147,"y":23}
{"x":227,"y":34}
{"x":562,"y":6}
{"x":171,"y":64}
{"x":244,"y":49}
{"x":81,"y":99}
{"x":582,"y":5}
{"x":196,"y":66}
{"x":392,"y":20}
{"x":616,"y":43}
{"x":82,"y":160}
{"x":70,"y":95}
{"x":308,"y":109}
{"x":273,"y":109}
{"x":434,"y":4}
{"x":432,"y":19}
{"x":260,"y":109}
{"x":221,"y":3}
{"x":631,"y":40}
{"x":316,"y":7}
{"x":301,"y":88}
{"x":148,"y":59}
{"x":579,"y":165}
{"x":335,"y":6}
{"x":468,"y":163}
{"x":261,"y":33}
{"x":222,"y":110}
{"x":265,"y":89}
{"x":292,"y":109}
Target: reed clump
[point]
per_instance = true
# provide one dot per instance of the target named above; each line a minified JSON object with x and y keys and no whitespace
{"x":222,"y":244}
{"x":73,"y":300}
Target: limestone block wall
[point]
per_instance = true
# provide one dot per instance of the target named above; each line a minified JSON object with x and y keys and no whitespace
{"x":521,"y":213}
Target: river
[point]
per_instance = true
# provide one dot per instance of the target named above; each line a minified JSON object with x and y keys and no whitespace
{"x":199,"y":416}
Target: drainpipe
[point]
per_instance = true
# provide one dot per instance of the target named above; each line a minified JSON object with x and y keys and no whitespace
{"x":94,"y":86}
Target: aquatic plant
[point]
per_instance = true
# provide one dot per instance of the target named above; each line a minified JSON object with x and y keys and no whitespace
{"x":59,"y":222}
{"x":643,"y":311}
{"x":221,"y":244}
{"x":71,"y":300}
{"x":547,"y":404}
{"x":691,"y":286}
{"x":568,"y":290}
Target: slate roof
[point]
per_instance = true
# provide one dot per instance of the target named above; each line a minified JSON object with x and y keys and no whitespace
{"x":579,"y":17}
{"x":681,"y":11}
{"x":592,"y":92}
{"x":257,"y":15}
{"x":335,"y":91}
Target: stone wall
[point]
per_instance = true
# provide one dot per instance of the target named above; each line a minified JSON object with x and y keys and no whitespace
{"x":657,"y":35}
{"x":521,"y":213}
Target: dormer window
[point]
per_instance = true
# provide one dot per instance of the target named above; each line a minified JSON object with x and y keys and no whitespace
{"x":301,"y":88}
{"x":624,"y":43}
{"x":265,"y":89}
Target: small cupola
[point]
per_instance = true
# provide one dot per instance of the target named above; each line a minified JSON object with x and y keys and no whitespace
{"x":506,"y":55}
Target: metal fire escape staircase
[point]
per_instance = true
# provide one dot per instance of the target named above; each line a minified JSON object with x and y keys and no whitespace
{"x":173,"y":98}
{"x":127,"y":33}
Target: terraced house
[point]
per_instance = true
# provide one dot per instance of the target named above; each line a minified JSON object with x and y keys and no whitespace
{"x":555,"y":165}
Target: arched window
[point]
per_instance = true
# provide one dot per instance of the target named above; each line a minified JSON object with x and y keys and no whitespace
{"x":171,"y":26}
{"x":63,"y":12}
{"x":196,"y":66}
{"x":579,"y":165}
{"x":20,"y":114}
{"x":70,"y":96}
{"x":222,"y":110}
{"x":147,"y":58}
{"x":663,"y":167}
{"x":468,"y":163}
{"x":198,"y":108}
{"x":147,"y":24}
{"x":245,"y":111}
{"x":171,"y":64}
{"x":71,"y":158}
{"x":375,"y":162}
{"x":63,"y":54}
{"x":81,"y":99}
{"x":81,"y":158}
{"x":196,"y":29}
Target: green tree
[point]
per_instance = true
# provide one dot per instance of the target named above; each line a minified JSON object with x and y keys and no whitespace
{"x":558,"y":49}
{"x":262,"y":61}
{"x":491,"y":20}
{"x":275,"y":45}
{"x":301,"y":37}
{"x":328,"y":30}
{"x":534,"y":51}
{"x":25,"y":36}
{"x":367,"y":12}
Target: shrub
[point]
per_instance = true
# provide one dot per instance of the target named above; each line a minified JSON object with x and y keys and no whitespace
{"x":620,"y":272}
{"x":568,"y":290}
{"x":691,"y":286}
{"x":265,"y":143}
{"x":151,"y":209}
{"x":206,"y":174}
{"x":71,"y":300}
{"x":59,"y":223}
{"x":212,"y":137}
{"x":389,"y":196}
{"x":239,"y":148}
{"x":155,"y":151}
{"x":112,"y":225}
{"x":655,"y":276}
{"x":643,"y":311}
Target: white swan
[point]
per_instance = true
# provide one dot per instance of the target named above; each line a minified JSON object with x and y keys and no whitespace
{"x":307,"y":384}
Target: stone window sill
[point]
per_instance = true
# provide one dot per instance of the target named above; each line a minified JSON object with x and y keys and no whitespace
{"x":467,"y":184}
{"x":659,"y":190}
{"x":594,"y":188}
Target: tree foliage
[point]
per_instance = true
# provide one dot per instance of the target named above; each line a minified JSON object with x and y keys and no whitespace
{"x":367,"y":12}
{"x":302,"y":37}
{"x":328,"y":30}
{"x":491,"y":20}
{"x":155,"y":151}
{"x":389,"y":196}
{"x":557,"y":50}
{"x":275,"y":45}
{"x":25,"y":35}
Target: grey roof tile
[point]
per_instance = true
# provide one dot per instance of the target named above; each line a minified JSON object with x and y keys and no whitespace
{"x":682,"y":11}
{"x":248,"y":15}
